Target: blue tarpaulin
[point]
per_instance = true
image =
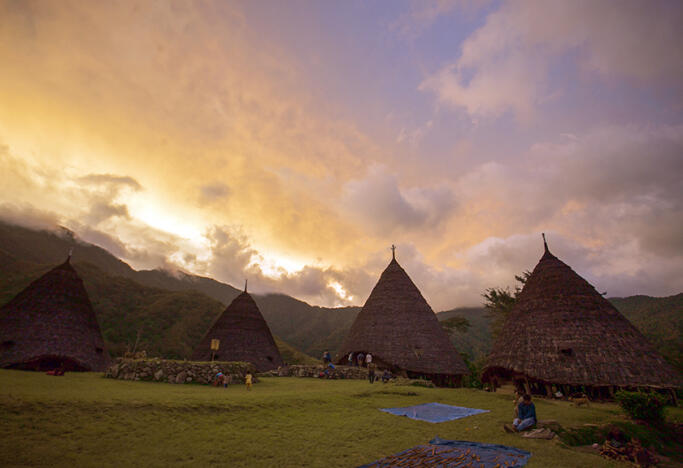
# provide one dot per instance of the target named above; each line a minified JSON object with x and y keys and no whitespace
{"x":447,"y":453}
{"x":434,"y":412}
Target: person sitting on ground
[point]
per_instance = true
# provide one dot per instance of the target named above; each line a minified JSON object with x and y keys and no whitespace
{"x":526,"y":416}
{"x":386,"y":376}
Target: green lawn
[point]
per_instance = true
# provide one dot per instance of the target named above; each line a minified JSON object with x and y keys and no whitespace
{"x":82,"y":419}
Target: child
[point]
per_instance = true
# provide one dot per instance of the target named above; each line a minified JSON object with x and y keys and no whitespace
{"x":247,"y":380}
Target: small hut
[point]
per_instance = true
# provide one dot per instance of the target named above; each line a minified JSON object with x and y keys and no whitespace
{"x":563,"y":335}
{"x":51,"y":324}
{"x":401,"y":331}
{"x":243,"y":335}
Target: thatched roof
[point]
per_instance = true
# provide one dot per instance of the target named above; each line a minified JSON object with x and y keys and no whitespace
{"x":52,"y":323}
{"x":397,"y":326}
{"x":244,"y":336}
{"x":562,"y":331}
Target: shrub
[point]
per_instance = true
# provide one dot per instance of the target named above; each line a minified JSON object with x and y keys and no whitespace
{"x":640,"y":405}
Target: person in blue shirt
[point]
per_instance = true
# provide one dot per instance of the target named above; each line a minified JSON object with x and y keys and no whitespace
{"x":526,"y":415}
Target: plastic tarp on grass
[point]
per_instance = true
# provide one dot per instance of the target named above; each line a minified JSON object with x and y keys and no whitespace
{"x":456,"y":453}
{"x":434,"y":412}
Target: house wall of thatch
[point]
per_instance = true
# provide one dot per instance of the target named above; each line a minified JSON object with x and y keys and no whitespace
{"x":401,"y":331}
{"x":52,"y":324}
{"x":562,"y":332}
{"x":244,"y":336}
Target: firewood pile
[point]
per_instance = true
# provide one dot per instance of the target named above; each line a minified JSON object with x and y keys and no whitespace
{"x":631,"y":451}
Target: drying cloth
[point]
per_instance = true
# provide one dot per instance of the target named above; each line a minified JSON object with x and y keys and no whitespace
{"x":460,"y":453}
{"x":434,"y":412}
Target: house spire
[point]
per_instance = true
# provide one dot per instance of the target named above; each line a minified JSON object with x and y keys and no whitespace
{"x":393,"y":252}
{"x":545,"y":244}
{"x":245,"y":284}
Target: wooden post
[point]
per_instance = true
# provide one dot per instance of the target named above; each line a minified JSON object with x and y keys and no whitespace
{"x":526,"y":386}
{"x":673,"y":396}
{"x":611,"y":391}
{"x":548,"y":390}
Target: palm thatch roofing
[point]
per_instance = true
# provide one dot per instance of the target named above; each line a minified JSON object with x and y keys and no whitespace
{"x":244,"y":336}
{"x":562,"y":331}
{"x":52,"y":324}
{"x":401,"y":331}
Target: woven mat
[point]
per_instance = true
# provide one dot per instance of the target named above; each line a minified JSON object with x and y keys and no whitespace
{"x":434,"y":412}
{"x":456,"y":453}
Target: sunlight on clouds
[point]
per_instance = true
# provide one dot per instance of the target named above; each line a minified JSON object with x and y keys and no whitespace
{"x":275,"y":265}
{"x":154,"y":215}
{"x":341,"y":292}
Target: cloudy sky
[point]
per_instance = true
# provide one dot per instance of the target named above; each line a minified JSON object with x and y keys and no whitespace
{"x":293,"y":142}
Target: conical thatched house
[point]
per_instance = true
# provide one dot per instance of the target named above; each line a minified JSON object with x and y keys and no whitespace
{"x":243,"y":335}
{"x":52,"y":324}
{"x":400,"y":330}
{"x":562,"y":332}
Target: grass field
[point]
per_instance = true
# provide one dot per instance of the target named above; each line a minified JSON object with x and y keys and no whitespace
{"x":82,"y":419}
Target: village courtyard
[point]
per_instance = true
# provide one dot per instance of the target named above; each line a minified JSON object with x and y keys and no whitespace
{"x":83,"y":419}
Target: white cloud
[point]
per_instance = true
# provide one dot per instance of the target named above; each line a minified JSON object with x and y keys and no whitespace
{"x":505,"y":65}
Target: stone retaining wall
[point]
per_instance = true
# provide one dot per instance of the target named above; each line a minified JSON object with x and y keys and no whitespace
{"x":340,"y":372}
{"x":177,"y":372}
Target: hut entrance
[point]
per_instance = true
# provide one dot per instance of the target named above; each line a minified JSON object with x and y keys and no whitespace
{"x":47,"y":363}
{"x":440,"y":380}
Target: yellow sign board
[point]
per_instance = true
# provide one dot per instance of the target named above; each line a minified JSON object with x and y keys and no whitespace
{"x":215,"y":344}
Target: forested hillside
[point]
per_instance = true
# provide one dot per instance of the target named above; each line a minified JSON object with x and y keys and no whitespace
{"x":660,"y":319}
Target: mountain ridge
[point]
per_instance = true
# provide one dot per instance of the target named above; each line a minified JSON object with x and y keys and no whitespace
{"x":25,"y":254}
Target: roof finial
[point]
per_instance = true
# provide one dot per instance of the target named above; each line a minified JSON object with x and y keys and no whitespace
{"x":545,"y":244}
{"x":245,"y":284}
{"x":393,"y":252}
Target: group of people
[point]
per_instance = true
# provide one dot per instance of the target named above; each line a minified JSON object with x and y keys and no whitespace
{"x":223,"y":380}
{"x":361,"y":359}
{"x":386,"y":376}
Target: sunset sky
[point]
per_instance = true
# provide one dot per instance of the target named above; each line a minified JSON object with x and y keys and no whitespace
{"x":293,"y":142}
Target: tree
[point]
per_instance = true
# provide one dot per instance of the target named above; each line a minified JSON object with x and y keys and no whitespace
{"x":456,"y":323}
{"x":498,"y":302}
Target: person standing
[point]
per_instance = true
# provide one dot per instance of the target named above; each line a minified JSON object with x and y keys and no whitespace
{"x":351,"y":359}
{"x":371,"y":372}
{"x":368,"y":359}
{"x":247,"y":380}
{"x":361,"y":359}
